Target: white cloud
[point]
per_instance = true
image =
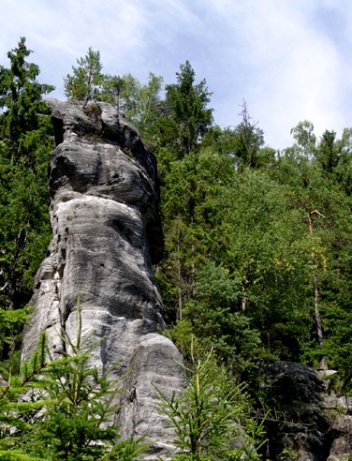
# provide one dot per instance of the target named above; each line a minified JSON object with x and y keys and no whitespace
{"x":288,"y":59}
{"x":297,"y":71}
{"x":291,"y":68}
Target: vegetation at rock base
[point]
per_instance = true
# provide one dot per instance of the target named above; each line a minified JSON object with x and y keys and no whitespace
{"x":212,"y":417}
{"x":258,"y":258}
{"x":61,"y":409}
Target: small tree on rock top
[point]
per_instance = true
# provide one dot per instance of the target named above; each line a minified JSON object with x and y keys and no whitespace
{"x":86,"y":82}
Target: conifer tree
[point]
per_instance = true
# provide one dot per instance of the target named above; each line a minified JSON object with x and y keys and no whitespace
{"x":85,"y":84}
{"x":61,"y":410}
{"x":187,"y":117}
{"x":248,"y":139}
{"x":25,"y":143}
{"x":22,"y":107}
{"x":212,"y":417}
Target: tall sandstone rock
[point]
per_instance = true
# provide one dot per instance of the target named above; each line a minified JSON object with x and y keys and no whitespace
{"x":106,"y":236}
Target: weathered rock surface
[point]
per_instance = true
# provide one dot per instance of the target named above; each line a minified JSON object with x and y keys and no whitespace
{"x":310,"y":423}
{"x":297,"y":429}
{"x":106,"y":236}
{"x":339,"y":412}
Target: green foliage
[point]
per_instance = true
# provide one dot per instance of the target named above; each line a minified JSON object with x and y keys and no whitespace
{"x":212,"y":417}
{"x":327,"y":153}
{"x":19,"y":406}
{"x":257,"y":256}
{"x":141,"y":103}
{"x":187,"y":117}
{"x":288,"y":454}
{"x":189,"y":209}
{"x":343,"y":170}
{"x":229,"y":332}
{"x":85,"y":84}
{"x":73,"y":424}
{"x":17,"y":456}
{"x":12,"y":323}
{"x":21,"y":104}
{"x":62,"y":410}
{"x":112,"y":88}
{"x":25,"y":143}
{"x":305,"y":139}
{"x":247,"y":141}
{"x":230,"y":239}
{"x":25,"y":229}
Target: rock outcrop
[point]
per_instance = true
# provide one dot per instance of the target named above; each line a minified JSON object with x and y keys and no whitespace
{"x":106,"y":236}
{"x":308,"y":421}
{"x":338,"y":410}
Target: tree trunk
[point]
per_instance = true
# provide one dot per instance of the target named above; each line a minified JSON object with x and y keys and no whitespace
{"x":179,"y":280}
{"x":317,"y":317}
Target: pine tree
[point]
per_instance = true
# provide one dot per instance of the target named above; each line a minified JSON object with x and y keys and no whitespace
{"x":86,"y":82}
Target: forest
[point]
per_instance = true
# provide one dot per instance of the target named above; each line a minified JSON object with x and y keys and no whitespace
{"x":257,"y":262}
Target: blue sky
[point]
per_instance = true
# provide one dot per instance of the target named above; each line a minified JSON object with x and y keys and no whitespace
{"x":290,"y":60}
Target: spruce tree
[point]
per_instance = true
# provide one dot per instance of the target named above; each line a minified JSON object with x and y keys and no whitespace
{"x":212,"y":417}
{"x":62,"y":409}
{"x":187,"y":117}
{"x":25,"y":143}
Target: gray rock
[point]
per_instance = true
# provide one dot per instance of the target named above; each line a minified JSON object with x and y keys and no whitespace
{"x":298,"y":428}
{"x":106,"y":236}
{"x":339,"y":412}
{"x":312,"y":423}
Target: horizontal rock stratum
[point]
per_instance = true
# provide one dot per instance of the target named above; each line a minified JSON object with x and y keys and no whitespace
{"x":106,"y":236}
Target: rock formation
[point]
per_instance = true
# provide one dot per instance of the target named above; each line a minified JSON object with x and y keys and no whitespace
{"x":106,"y":236}
{"x":310,"y":423}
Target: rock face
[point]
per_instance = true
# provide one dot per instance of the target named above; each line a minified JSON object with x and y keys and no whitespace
{"x":310,"y":423}
{"x":299,"y":430}
{"x":106,"y":236}
{"x":339,"y":411}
